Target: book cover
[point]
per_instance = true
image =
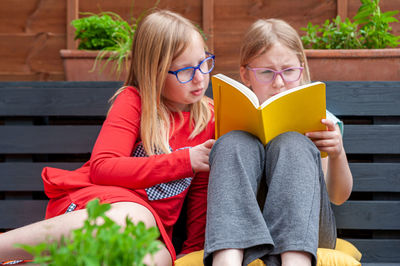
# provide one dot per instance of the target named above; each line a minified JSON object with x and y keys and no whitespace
{"x":237,"y":108}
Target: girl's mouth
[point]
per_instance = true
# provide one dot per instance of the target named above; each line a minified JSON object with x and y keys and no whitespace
{"x":197,"y":92}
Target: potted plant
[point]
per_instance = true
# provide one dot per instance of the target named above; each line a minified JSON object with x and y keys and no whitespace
{"x":364,"y":49}
{"x":100,"y":241}
{"x":105,"y":42}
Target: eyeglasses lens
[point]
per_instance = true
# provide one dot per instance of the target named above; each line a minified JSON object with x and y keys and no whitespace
{"x":205,"y":67}
{"x":289,"y":75}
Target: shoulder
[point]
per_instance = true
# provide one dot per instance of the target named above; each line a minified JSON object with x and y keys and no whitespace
{"x":127,"y":101}
{"x":127,"y":95}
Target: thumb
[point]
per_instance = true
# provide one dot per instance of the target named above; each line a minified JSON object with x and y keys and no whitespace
{"x":209,"y":143}
{"x":330,"y":125}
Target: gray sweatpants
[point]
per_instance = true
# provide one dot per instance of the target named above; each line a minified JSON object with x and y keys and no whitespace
{"x":267,"y":200}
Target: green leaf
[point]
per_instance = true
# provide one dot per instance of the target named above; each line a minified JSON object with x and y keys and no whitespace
{"x":99,"y":243}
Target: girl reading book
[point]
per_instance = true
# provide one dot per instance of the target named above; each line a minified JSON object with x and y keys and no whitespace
{"x":152,"y":151}
{"x":273,"y":202}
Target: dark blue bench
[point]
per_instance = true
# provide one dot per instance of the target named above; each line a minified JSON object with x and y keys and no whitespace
{"x":56,"y":124}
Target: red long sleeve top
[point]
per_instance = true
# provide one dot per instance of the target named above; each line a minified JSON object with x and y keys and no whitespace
{"x":160,"y":181}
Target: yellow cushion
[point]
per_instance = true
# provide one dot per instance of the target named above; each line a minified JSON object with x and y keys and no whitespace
{"x":333,"y":257}
{"x":348,"y":248}
{"x":345,"y":254}
{"x":192,"y":259}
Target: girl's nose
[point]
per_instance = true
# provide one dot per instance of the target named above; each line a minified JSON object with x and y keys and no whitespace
{"x":198,"y":76}
{"x":278,"y":82}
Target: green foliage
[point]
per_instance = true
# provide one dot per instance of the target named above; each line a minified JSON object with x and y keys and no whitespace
{"x":370,"y":30}
{"x":111,"y":34}
{"x":100,"y":241}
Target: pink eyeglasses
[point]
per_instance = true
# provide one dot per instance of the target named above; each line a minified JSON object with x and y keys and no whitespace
{"x":266,"y":75}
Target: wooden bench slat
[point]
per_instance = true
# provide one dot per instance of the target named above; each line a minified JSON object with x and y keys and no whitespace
{"x":369,"y":139}
{"x":47,"y":139}
{"x":27,"y":176}
{"x":58,"y":84}
{"x":382,"y":177}
{"x":17,"y":213}
{"x":359,"y":139}
{"x":85,"y":100}
{"x":383,"y":215}
{"x":363,"y":98}
{"x":378,"y":250}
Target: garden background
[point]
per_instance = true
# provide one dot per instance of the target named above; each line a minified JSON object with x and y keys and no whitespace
{"x":32,"y":32}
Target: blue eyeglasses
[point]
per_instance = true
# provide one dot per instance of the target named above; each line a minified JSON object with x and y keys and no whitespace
{"x":186,"y":74}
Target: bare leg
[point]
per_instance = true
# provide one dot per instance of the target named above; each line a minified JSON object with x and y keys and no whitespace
{"x":55,"y":227}
{"x":296,"y":258}
{"x":231,"y":257}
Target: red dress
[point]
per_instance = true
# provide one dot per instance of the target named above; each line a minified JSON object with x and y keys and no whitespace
{"x":119,"y":170}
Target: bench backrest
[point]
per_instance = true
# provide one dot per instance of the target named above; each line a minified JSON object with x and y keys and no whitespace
{"x":44,"y":124}
{"x":56,"y":124}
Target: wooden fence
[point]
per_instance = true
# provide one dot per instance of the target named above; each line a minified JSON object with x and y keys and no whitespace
{"x":33,"y":31}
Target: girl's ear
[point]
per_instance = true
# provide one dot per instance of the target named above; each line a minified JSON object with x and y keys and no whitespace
{"x":244,"y":76}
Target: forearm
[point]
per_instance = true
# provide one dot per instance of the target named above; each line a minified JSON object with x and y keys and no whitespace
{"x":339,"y":180}
{"x":141,"y":172}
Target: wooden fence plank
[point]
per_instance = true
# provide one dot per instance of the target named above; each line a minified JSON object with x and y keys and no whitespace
{"x":72,"y":13}
{"x":381,"y":215}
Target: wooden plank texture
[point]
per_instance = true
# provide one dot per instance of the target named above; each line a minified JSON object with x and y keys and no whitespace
{"x":382,"y":177}
{"x":382,"y":215}
{"x":369,"y":139}
{"x":17,"y":16}
{"x":363,"y":98}
{"x":47,"y":139}
{"x":72,"y":14}
{"x":76,"y":99}
{"x":31,"y":53}
{"x":231,"y":19}
{"x":21,"y":212}
{"x":342,"y":6}
{"x":378,"y":250}
{"x":27,"y":176}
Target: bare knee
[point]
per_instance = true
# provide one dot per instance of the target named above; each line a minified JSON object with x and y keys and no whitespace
{"x":136,"y":212}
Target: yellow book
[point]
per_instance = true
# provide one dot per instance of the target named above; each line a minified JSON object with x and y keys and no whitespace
{"x":237,"y":108}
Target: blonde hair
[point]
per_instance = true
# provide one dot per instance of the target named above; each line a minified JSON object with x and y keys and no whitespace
{"x":160,"y":38}
{"x":266,"y":32}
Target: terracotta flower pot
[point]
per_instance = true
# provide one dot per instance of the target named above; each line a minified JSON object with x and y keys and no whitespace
{"x":357,"y":65}
{"x":79,"y":66}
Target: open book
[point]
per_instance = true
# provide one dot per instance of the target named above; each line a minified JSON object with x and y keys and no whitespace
{"x":237,"y":108}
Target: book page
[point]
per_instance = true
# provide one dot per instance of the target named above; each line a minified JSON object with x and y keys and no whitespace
{"x":233,"y":110}
{"x":240,"y":87}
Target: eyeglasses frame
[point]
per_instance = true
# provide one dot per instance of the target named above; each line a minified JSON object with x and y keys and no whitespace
{"x":210,"y":55}
{"x":254,"y":69}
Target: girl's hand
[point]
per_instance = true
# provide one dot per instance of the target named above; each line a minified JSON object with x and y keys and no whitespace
{"x":199,"y":156}
{"x":329,"y":141}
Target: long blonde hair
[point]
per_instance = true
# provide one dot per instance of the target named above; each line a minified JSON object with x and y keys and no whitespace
{"x":160,"y":38}
{"x":263,"y":33}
